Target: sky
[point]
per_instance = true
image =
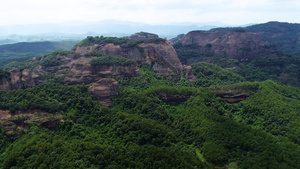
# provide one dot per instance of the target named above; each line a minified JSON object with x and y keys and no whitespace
{"x":230,"y":12}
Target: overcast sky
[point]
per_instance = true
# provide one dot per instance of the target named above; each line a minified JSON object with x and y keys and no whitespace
{"x":232,"y":12}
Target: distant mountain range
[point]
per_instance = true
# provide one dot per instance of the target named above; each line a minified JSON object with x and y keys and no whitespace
{"x":77,"y":30}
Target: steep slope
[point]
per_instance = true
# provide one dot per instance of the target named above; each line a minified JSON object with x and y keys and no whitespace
{"x":282,"y":35}
{"x":157,"y":51}
{"x":105,"y":57}
{"x":207,"y":45}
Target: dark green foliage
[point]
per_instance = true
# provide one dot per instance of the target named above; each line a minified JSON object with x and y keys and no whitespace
{"x":209,"y":74}
{"x":4,"y":74}
{"x":94,"y":54}
{"x":144,"y":129}
{"x":123,"y":42}
{"x":65,"y":53}
{"x":282,"y":69}
{"x":50,"y":61}
{"x":267,"y":109}
{"x":287,"y":39}
{"x":50,"y":97}
{"x":111,"y":60}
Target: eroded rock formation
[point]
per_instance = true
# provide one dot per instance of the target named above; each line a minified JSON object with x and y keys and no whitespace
{"x":189,"y":74}
{"x":20,"y":120}
{"x":104,"y":89}
{"x":21,"y":79}
{"x":144,"y":53}
{"x":232,"y":96}
{"x":4,"y":84}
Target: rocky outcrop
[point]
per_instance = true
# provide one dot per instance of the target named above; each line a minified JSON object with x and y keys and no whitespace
{"x":163,"y":52}
{"x":75,"y":67}
{"x":104,"y":89}
{"x":86,"y":73}
{"x":232,"y":96}
{"x":145,"y":53}
{"x":21,"y":79}
{"x":20,"y":120}
{"x":189,"y":74}
{"x":143,"y":35}
{"x":243,"y":46}
{"x":4,"y":84}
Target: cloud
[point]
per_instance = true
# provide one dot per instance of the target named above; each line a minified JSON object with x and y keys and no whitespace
{"x":155,"y":11}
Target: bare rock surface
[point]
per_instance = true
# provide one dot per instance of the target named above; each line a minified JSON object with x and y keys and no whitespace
{"x":104,"y":89}
{"x":21,"y":79}
{"x":244,"y":46}
{"x":4,"y":84}
{"x":20,"y":120}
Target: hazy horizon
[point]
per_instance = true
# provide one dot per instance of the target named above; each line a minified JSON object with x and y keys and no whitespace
{"x":156,"y":12}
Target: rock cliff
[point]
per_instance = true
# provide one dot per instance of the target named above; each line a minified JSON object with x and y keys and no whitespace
{"x":4,"y":84}
{"x":20,"y":120}
{"x":104,"y":89}
{"x":76,"y":69}
{"x":19,"y":79}
{"x":243,"y":46}
{"x":142,"y":53}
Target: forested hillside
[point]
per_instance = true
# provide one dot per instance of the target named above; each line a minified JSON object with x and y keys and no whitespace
{"x":156,"y":123}
{"x":25,"y":50}
{"x":218,"y":112}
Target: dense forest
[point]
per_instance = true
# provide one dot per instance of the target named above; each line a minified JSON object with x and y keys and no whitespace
{"x":144,"y":130}
{"x":156,"y":121}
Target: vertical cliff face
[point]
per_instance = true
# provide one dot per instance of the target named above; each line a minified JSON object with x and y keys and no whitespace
{"x":144,"y":53}
{"x":4,"y":84}
{"x":86,"y":73}
{"x":163,"y":52}
{"x":21,"y":79}
{"x":243,"y":46}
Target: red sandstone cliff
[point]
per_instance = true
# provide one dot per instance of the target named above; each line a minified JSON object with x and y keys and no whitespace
{"x":162,"y":51}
